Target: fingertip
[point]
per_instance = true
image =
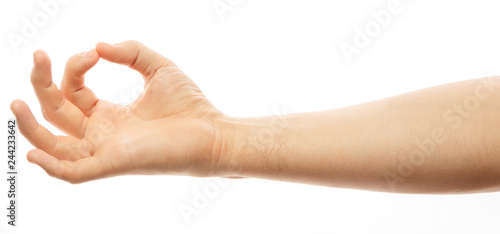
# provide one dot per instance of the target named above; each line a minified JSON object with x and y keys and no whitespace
{"x":16,"y":106}
{"x":41,"y":73}
{"x":89,"y":54}
{"x":102,"y":48}
{"x":26,"y":120}
{"x":40,"y":58}
{"x":38,"y":157}
{"x":79,"y":64}
{"x":62,"y":170}
{"x":102,"y":44}
{"x":37,"y":53}
{"x":46,"y":161}
{"x":20,"y":109}
{"x":31,"y":156}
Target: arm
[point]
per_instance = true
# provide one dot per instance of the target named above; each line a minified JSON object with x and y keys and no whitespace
{"x":444,"y":139}
{"x":437,"y":140}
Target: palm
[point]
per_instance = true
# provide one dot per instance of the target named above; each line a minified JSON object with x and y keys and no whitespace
{"x":122,"y":134}
{"x":106,"y":139}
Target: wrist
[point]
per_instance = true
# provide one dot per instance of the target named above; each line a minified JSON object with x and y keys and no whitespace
{"x":250,"y":146}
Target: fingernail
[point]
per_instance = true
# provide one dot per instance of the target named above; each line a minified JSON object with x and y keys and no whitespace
{"x":88,"y":54}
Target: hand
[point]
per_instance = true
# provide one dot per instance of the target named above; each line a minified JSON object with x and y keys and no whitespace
{"x":170,"y":129}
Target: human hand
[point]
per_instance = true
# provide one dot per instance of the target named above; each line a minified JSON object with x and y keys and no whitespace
{"x":171,"y":128}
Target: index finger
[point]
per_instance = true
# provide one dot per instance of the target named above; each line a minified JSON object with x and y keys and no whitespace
{"x":73,"y":84}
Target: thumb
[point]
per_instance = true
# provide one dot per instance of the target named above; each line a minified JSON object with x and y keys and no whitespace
{"x":134,"y":55}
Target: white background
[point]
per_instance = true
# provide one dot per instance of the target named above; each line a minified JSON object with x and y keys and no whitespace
{"x":262,"y":57}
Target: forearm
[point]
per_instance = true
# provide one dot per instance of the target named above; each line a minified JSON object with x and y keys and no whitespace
{"x":437,"y":140}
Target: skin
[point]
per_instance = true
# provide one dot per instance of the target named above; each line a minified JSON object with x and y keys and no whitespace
{"x":442,"y":139}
